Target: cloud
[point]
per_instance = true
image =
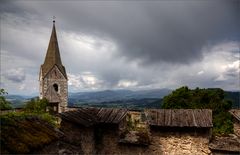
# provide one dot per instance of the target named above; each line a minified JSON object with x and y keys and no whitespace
{"x":212,"y":71}
{"x":153,"y":32}
{"x":15,"y":75}
{"x":127,"y":84}
{"x":200,"y":72}
{"x":85,"y":80}
{"x":114,"y":44}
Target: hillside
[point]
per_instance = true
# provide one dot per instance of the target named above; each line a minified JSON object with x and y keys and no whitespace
{"x":234,"y":97}
{"x":116,"y":95}
{"x":119,"y":98}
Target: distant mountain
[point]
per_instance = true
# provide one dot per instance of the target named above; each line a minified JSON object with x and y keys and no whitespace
{"x":118,"y":98}
{"x":234,"y":97}
{"x":116,"y":95}
{"x":134,"y":104}
{"x":17,"y":101}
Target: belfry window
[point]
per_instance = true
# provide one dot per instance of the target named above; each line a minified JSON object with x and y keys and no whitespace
{"x":55,"y":86}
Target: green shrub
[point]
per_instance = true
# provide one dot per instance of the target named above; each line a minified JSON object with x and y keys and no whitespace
{"x":49,"y":118}
{"x":36,"y":105}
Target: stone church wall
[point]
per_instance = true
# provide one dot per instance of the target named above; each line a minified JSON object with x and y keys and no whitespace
{"x":55,"y":77}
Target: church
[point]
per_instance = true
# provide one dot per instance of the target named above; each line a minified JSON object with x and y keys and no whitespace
{"x":53,"y":77}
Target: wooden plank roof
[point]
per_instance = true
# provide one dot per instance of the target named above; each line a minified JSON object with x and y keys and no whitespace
{"x":90,"y":116}
{"x":235,"y":113}
{"x":179,"y":117}
{"x":228,"y":143}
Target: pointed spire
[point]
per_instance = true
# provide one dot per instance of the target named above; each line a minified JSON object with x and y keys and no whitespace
{"x":53,"y":55}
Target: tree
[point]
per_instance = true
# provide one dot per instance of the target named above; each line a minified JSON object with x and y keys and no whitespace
{"x":36,"y":105}
{"x":185,"y":98}
{"x":4,"y":104}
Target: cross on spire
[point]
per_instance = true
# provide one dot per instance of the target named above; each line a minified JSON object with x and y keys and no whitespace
{"x":54,"y":19}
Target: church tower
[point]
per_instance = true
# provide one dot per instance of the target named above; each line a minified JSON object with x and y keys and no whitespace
{"x":53,"y":78}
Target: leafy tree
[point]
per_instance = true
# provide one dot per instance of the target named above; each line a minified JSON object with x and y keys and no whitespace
{"x":36,"y":105}
{"x":186,"y":98}
{"x":4,"y":104}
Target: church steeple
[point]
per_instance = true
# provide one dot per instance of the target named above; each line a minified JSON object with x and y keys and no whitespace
{"x":53,"y":78}
{"x":53,"y":55}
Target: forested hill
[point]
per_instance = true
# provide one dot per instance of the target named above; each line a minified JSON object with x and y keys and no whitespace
{"x":119,"y":98}
{"x":234,"y":97}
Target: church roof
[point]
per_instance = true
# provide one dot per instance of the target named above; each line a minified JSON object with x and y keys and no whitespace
{"x":53,"y":55}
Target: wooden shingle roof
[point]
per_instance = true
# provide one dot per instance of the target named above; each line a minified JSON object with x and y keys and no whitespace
{"x":111,"y":115}
{"x":179,"y":117}
{"x":228,"y":143}
{"x":90,"y":116}
{"x":235,"y":113}
{"x":82,"y":116}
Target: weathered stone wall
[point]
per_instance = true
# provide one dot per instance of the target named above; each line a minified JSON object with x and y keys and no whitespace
{"x":163,"y":142}
{"x":236,"y":128}
{"x":180,"y":142}
{"x":109,"y":143}
{"x":79,"y":136}
{"x":55,"y":77}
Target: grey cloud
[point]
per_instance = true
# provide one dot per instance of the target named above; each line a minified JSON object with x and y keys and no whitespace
{"x":233,"y":72}
{"x":163,"y":36}
{"x":154,"y":31}
{"x":15,"y":75}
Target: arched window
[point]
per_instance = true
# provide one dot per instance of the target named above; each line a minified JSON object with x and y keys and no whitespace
{"x":55,"y":86}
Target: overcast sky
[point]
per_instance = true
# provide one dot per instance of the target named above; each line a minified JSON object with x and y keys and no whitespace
{"x":123,"y":45}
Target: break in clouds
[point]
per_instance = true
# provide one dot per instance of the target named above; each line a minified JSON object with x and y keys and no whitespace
{"x":132,"y":45}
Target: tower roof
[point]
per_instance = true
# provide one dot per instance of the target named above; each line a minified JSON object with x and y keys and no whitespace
{"x":53,"y":55}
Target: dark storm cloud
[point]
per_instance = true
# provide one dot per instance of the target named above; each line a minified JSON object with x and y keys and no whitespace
{"x":169,"y":31}
{"x":158,"y":43}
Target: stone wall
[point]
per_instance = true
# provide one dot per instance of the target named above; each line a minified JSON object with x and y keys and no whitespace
{"x":55,"y":77}
{"x":109,"y":143}
{"x":104,"y":139}
{"x":236,"y":127}
{"x":79,"y":136}
{"x":163,"y":142}
{"x":179,"y":142}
